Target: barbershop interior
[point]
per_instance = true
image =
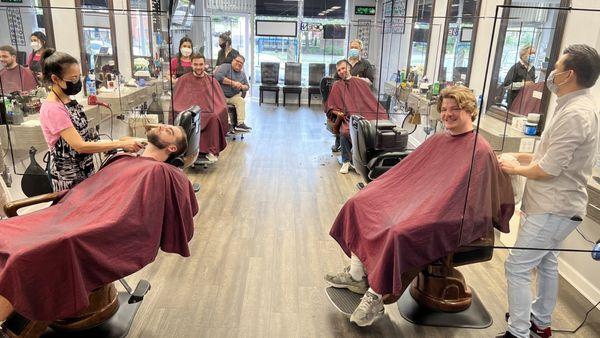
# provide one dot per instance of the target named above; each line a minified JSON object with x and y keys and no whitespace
{"x":299,"y":168}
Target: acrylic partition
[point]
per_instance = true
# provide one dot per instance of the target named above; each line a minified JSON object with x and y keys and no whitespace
{"x":124,"y":57}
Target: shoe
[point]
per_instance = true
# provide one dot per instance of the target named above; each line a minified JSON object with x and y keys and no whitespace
{"x":242,"y":127}
{"x":201,"y":160}
{"x":345,"y":167}
{"x":212,"y":158}
{"x":535,"y":330}
{"x":540,"y":333}
{"x":369,"y":310}
{"x":344,"y":280}
{"x":506,"y":335}
{"x":231,"y":130}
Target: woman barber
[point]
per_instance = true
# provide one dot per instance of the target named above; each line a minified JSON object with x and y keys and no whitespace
{"x":182,"y":64}
{"x":226,"y":53}
{"x":521,"y":74}
{"x":38,"y":46}
{"x":65,"y":125}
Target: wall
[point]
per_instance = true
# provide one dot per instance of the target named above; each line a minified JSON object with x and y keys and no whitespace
{"x":64,"y":22}
{"x":28,"y":19}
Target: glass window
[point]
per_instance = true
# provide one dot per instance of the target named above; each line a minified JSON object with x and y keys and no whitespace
{"x":139,"y":22}
{"x":274,"y":49}
{"x":421,"y":31}
{"x":528,"y":47}
{"x":44,"y":20}
{"x":460,"y":33}
{"x":237,"y":25}
{"x":315,"y":49}
{"x":97,"y":35}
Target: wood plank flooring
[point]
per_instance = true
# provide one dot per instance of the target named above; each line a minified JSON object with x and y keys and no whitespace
{"x":261,"y":248}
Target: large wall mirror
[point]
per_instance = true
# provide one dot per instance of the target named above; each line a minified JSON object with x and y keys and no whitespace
{"x":421,"y":34}
{"x":528,"y":45}
{"x":460,"y":31}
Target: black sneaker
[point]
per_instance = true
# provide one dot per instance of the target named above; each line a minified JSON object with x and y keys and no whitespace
{"x":242,"y":127}
{"x":506,"y":335}
{"x":231,"y":130}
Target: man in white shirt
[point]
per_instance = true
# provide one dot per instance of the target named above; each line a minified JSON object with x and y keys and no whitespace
{"x":555,"y":197}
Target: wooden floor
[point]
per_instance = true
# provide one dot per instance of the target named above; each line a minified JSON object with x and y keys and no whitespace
{"x":261,"y":248}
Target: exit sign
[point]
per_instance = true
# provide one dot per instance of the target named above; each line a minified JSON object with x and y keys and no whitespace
{"x":13,"y":1}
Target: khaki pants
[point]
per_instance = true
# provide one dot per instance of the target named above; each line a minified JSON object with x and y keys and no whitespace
{"x":240,"y":106}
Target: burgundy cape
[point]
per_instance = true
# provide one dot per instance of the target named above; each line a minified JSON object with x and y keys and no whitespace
{"x":18,"y":79}
{"x":411,"y":216}
{"x":354,"y":97}
{"x":105,"y":228}
{"x":206,"y":93}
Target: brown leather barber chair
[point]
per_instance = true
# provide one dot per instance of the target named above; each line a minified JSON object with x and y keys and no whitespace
{"x":99,"y":319}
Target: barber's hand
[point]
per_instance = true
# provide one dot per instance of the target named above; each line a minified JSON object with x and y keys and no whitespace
{"x":508,"y":168}
{"x":132,"y":146}
{"x":339,"y":113}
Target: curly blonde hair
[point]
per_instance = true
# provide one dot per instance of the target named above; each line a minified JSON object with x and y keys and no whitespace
{"x":359,"y":41}
{"x":464,"y":97}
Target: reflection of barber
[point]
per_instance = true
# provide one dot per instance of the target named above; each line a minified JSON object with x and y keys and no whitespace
{"x":360,"y":67}
{"x":520,"y":74}
{"x":65,"y":125}
{"x":38,"y":44}
{"x":14,"y":77}
{"x":226,"y":54}
{"x":555,"y":197}
{"x":182,"y":64}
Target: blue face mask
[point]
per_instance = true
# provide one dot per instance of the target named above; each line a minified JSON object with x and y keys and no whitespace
{"x":353,"y":53}
{"x":530,"y":59}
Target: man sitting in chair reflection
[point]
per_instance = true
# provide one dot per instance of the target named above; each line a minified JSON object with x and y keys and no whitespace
{"x":447,"y":193}
{"x":105,"y":228}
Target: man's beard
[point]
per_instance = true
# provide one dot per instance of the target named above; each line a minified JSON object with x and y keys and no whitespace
{"x":155,"y":140}
{"x":201,"y":74}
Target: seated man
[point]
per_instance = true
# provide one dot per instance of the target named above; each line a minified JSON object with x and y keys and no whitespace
{"x":415,"y":213}
{"x":201,"y":89}
{"x":107,"y":227}
{"x":233,"y":82}
{"x":350,"y":96}
{"x":14,"y":77}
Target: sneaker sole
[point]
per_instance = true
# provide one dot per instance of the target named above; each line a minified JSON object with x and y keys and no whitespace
{"x":344,"y":286}
{"x":369,"y":323}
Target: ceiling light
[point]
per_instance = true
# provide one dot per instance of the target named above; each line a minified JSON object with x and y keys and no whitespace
{"x":336,"y":7}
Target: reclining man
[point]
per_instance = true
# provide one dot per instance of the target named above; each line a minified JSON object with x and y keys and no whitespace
{"x":233,"y":81}
{"x":201,"y":89}
{"x":105,"y":228}
{"x":349,"y":96}
{"x":415,"y":213}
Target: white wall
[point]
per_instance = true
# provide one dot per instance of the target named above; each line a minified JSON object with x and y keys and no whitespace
{"x":123,"y":42}
{"x":28,"y":19}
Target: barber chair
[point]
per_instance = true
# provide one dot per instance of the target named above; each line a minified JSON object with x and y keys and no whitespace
{"x":377,"y":146}
{"x":109,"y":314}
{"x":439,"y":295}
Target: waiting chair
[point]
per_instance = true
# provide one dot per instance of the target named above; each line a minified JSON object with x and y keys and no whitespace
{"x":316,"y":71}
{"x":293,"y":80}
{"x":269,"y":74}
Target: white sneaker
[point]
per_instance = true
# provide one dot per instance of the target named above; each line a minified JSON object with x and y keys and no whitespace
{"x":368,"y":311}
{"x":345,"y":167}
{"x":212,"y":158}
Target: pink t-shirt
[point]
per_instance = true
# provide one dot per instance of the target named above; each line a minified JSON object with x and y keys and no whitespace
{"x":54,"y":118}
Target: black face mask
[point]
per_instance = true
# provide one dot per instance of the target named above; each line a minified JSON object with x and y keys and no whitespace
{"x":222,"y":45}
{"x":72,"y":88}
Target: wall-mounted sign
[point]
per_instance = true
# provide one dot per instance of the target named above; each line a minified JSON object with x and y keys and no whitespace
{"x":364,"y":10}
{"x":13,"y":1}
{"x":311,"y":27}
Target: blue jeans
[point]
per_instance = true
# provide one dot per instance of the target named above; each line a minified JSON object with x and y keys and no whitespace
{"x":537,"y":231}
{"x":346,"y":146}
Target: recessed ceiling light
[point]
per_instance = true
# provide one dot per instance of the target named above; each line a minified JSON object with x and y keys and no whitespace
{"x":336,"y":7}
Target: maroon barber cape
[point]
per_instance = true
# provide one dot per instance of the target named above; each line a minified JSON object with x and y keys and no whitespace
{"x":411,"y":215}
{"x":105,"y":228}
{"x":206,"y":93}
{"x":354,"y":97}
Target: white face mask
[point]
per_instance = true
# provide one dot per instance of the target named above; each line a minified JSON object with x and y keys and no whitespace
{"x":552,"y":86}
{"x":35,"y":46}
{"x":186,"y":51}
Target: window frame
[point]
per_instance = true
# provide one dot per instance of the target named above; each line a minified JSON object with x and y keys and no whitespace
{"x":48,"y":22}
{"x":111,"y":19}
{"x":151,"y":43}
{"x":495,"y":111}
{"x":473,"y":40}
{"x":412,"y":31}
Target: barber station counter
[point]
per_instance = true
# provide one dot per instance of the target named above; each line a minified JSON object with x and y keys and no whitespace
{"x":125,"y":99}
{"x":503,"y":138}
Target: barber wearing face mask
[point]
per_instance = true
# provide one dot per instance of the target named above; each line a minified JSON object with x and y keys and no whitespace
{"x":182,"y":64}
{"x":226,"y":53}
{"x":38,"y":46}
{"x":555,"y":198}
{"x":361,"y":68}
{"x":521,"y":74}
{"x":65,"y":126}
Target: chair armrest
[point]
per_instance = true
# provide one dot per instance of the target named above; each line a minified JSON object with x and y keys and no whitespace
{"x":11,"y":208}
